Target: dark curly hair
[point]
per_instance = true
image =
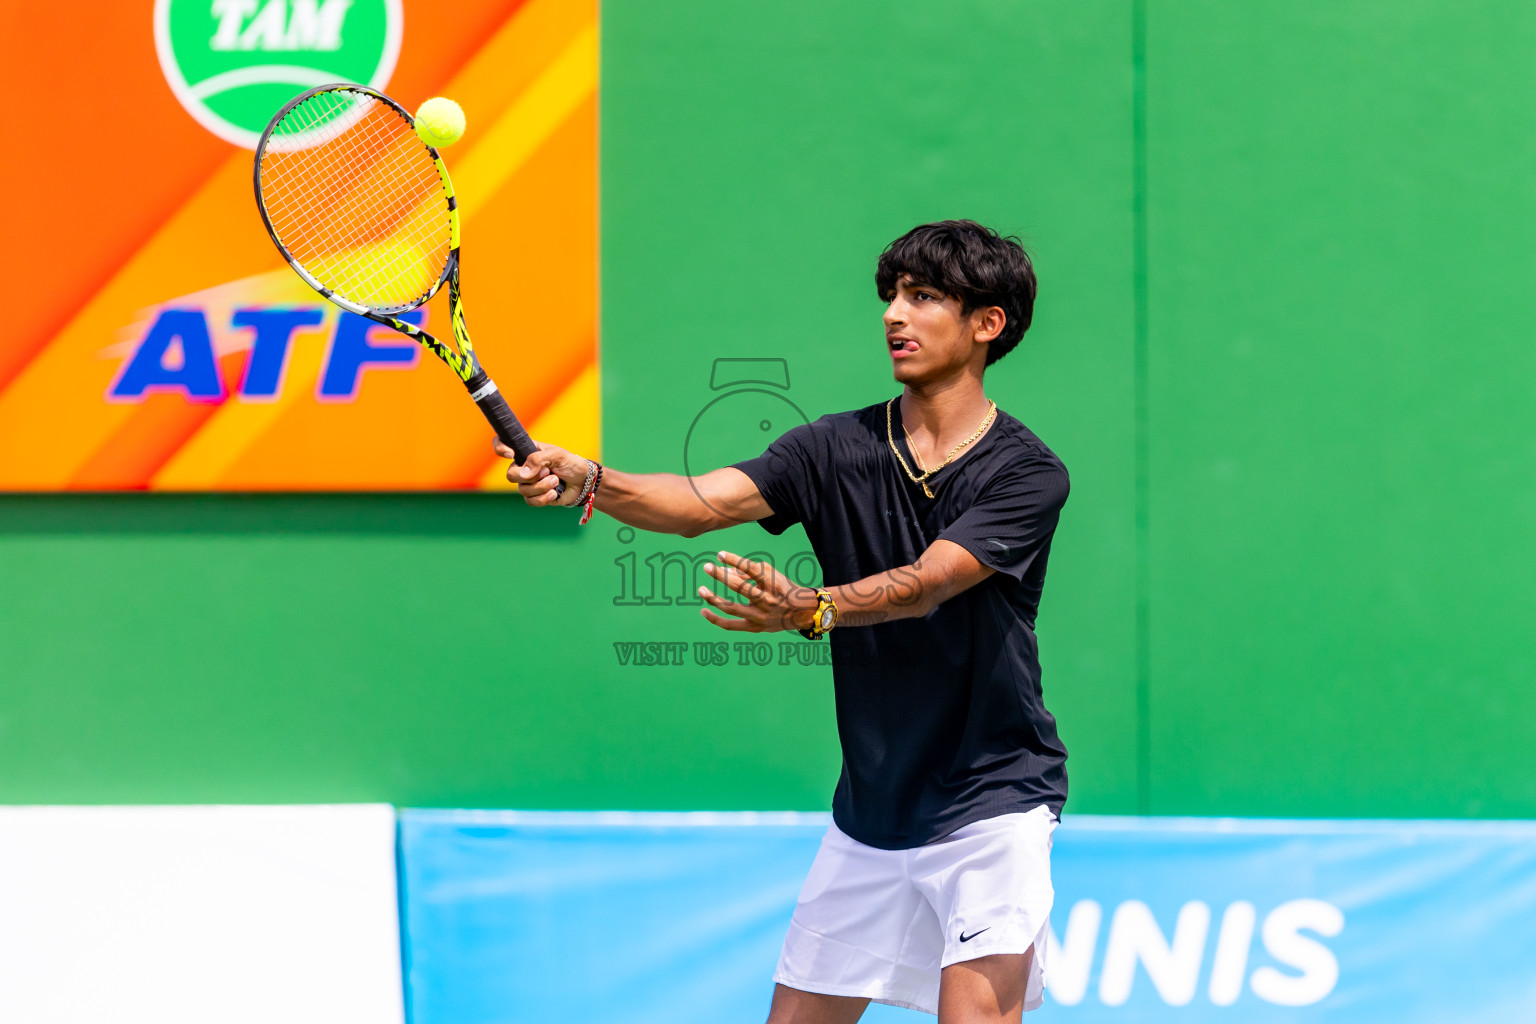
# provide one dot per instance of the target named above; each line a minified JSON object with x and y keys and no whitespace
{"x":970,"y":262}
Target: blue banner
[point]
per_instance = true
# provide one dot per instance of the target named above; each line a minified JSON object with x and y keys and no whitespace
{"x":678,"y":918}
{"x":1252,"y":920}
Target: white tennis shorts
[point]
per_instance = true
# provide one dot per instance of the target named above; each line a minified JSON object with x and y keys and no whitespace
{"x":883,"y":923}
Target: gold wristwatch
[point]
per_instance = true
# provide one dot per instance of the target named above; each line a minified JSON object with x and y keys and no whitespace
{"x":824,"y":619}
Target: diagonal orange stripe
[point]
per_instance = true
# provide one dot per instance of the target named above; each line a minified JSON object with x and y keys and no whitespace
{"x":44,"y":439}
{"x":158,"y":426}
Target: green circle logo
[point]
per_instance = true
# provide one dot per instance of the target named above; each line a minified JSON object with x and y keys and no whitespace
{"x":233,"y":63}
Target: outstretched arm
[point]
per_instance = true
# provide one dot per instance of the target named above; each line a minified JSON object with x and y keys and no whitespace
{"x":774,"y":602}
{"x":661,"y":502}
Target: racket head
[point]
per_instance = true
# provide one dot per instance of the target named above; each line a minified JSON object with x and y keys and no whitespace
{"x":355,"y":201}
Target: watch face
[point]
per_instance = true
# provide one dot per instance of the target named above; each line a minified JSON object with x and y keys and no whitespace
{"x":826,"y":620}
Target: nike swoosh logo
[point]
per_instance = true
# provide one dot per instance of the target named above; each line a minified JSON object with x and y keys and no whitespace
{"x":967,"y":938}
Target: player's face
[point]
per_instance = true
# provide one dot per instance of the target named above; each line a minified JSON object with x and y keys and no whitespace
{"x":927,"y":334}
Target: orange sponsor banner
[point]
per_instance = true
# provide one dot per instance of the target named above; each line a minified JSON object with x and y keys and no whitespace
{"x":167,"y":346}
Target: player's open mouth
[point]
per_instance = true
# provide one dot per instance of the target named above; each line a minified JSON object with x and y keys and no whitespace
{"x":901,"y":347}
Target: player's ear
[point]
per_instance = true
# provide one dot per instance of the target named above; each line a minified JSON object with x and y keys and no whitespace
{"x":989,"y":321}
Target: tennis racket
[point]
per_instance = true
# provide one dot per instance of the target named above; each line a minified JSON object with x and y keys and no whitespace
{"x":364,"y":211}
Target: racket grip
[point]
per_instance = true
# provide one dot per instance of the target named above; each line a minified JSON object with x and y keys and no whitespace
{"x":501,"y":417}
{"x":503,"y":420}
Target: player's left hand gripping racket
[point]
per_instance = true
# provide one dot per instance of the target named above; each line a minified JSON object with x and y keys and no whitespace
{"x":363,"y":209}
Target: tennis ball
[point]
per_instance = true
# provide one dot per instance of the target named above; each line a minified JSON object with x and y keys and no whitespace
{"x":439,"y":122}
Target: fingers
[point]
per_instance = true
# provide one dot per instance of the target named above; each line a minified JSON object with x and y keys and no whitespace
{"x":745,"y":566}
{"x":730,"y":625}
{"x":538,"y":465}
{"x":725,"y":604}
{"x":543,"y":473}
{"x":542,"y":500}
{"x":762,"y":572}
{"x":526,"y":474}
{"x":540,"y":492}
{"x":733,"y":578}
{"x":751,"y":617}
{"x":508,"y":453}
{"x":546,"y":456}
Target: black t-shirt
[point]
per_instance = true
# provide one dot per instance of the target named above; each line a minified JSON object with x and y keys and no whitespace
{"x":941,"y":718}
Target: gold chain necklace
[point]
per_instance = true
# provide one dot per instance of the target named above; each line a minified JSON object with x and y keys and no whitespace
{"x":922,"y":481}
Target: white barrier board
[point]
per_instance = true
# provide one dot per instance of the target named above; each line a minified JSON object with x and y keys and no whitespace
{"x":199,"y":915}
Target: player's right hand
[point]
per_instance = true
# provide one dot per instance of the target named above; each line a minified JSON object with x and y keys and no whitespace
{"x":536,"y":478}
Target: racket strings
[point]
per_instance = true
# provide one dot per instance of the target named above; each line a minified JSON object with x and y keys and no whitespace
{"x":371,"y":213}
{"x":320,"y":180}
{"x":355,"y":198}
{"x":374,"y":209}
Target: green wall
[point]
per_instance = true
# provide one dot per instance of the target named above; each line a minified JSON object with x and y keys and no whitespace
{"x":1341,"y":431}
{"x":1280,"y":344}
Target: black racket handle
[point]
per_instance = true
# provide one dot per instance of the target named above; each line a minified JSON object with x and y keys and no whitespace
{"x":508,"y":429}
{"x":504,"y":421}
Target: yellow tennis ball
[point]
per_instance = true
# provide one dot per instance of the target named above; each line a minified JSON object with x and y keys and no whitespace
{"x":439,"y":122}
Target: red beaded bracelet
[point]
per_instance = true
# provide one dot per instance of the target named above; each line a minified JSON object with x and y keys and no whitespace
{"x":586,"y":506}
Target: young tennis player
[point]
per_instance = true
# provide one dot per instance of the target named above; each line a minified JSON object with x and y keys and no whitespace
{"x":932,"y":516}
